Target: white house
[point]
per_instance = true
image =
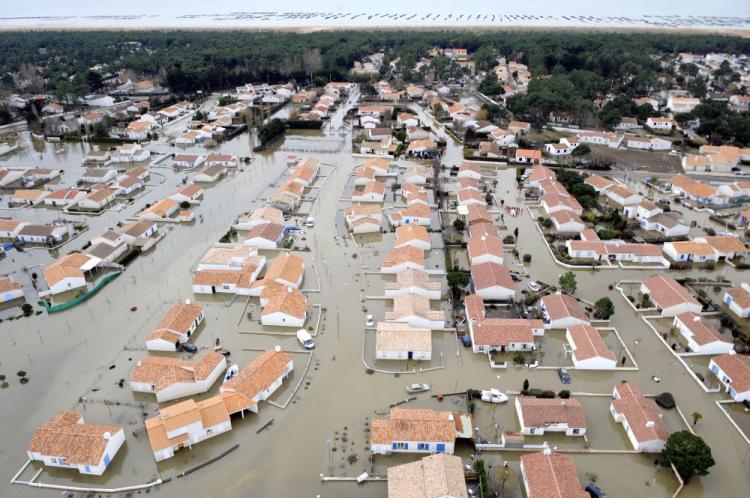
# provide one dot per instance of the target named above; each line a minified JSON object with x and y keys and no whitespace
{"x":418,"y":214}
{"x":418,"y":431}
{"x":283,"y":306}
{"x":186,"y":423}
{"x":401,"y":341}
{"x":414,"y":309}
{"x":98,"y":199}
{"x":701,"y":336}
{"x":174,"y":378}
{"x":738,"y":300}
{"x":562,"y":311}
{"x":660,"y":124}
{"x":10,"y":289}
{"x":265,"y":236}
{"x":550,"y":475}
{"x":558,"y":149}
{"x":493,"y":282}
{"x":67,"y":442}
{"x":414,"y":282}
{"x":67,"y":272}
{"x":434,"y":476}
{"x":567,"y":221}
{"x":485,"y":249}
{"x":640,"y":417}
{"x":175,"y":327}
{"x":372,"y":192}
{"x":733,"y":371}
{"x":537,"y":416}
{"x":260,"y":378}
{"x":588,"y":350}
{"x":670,"y":224}
{"x":405,"y":258}
{"x":669,"y":296}
{"x":412,"y":236}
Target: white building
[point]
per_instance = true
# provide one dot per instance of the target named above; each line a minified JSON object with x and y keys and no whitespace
{"x":537,"y":416}
{"x":701,"y":336}
{"x":400,"y":341}
{"x":588,"y":350}
{"x":174,"y":378}
{"x":175,"y":327}
{"x":640,"y":417}
{"x":733,"y":371}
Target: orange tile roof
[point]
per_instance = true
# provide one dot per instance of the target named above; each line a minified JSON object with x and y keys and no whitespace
{"x":288,"y":267}
{"x":488,"y":275}
{"x":703,"y":332}
{"x":413,"y":425}
{"x":541,"y":412}
{"x":78,"y":444}
{"x":163,"y":371}
{"x":562,"y":306}
{"x":737,"y":367}
{"x":259,"y":374}
{"x":666,"y":292}
{"x":639,"y":411}
{"x":552,"y":476}
{"x":588,"y":343}
{"x":282,"y":299}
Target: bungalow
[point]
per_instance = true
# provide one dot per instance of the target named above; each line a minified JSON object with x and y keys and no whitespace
{"x":282,"y":306}
{"x":130,"y":153}
{"x":493,"y":282}
{"x":174,"y":378}
{"x":470,"y":197}
{"x":414,"y":236}
{"x":42,"y":234}
{"x":405,"y":119}
{"x":567,"y":221}
{"x":670,"y":224}
{"x":259,"y":379}
{"x":680,"y":105}
{"x":477,"y":214}
{"x":230,"y":279}
{"x":126,"y":185}
{"x":725,"y":246}
{"x":498,"y":334}
{"x":138,"y":130}
{"x":502,"y":137}
{"x":599,"y":183}
{"x":9,"y":228}
{"x":227,"y":257}
{"x":733,"y":371}
{"x":557,"y":149}
{"x":414,"y":133}
{"x":660,"y":124}
{"x":188,"y":161}
{"x":405,"y":258}
{"x":416,"y":174}
{"x":372,"y":192}
{"x":36,"y":175}
{"x":640,"y":417}
{"x":186,"y":423}
{"x":485,"y":249}
{"x":401,"y":341}
{"x":28,"y":197}
{"x":98,"y":175}
{"x":470,"y":170}
{"x":11,"y":290}
{"x":414,"y":282}
{"x":67,"y":442}
{"x":654,"y":103}
{"x":209,"y":174}
{"x":607,"y":138}
{"x":689,"y":251}
{"x":138,"y":231}
{"x":622,"y":195}
{"x":52,"y":108}
{"x":378,"y":164}
{"x":519,"y":127}
{"x":160,"y":210}
{"x":187,"y":193}
{"x":539,"y":415}
{"x":738,"y":300}
{"x":415,"y":310}
{"x":227,"y":160}
{"x":550,"y":475}
{"x":434,"y":476}
{"x":424,"y":148}
{"x":383,"y":148}
{"x":588,"y":350}
{"x":418,"y":214}
{"x":552,"y":203}
{"x":265,"y":236}
{"x":701,"y":336}
{"x":528,"y":156}
{"x":176,"y":326}
{"x":561,"y":311}
{"x":693,"y":190}
{"x":669,"y":296}
{"x":648,"y":143}
{"x":287,"y":269}
{"x":412,"y":430}
{"x":539,"y":174}
{"x":8,"y":176}
{"x":191,"y":137}
{"x":627,"y":123}
{"x":67,"y":272}
{"x":643,"y":210}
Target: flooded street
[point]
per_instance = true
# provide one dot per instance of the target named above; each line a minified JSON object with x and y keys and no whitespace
{"x":75,"y":359}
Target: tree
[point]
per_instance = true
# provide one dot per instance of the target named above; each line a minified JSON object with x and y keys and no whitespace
{"x":580,"y":151}
{"x":604,"y":308}
{"x":689,"y":454}
{"x":457,"y":279}
{"x":568,"y":283}
{"x":515,"y":232}
{"x":525,"y":385}
{"x":696,"y":418}
{"x":459,"y":225}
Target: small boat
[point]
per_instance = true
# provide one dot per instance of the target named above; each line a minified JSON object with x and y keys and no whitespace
{"x":494,"y":396}
{"x":417,"y":388}
{"x":655,"y":378}
{"x":231,"y":373}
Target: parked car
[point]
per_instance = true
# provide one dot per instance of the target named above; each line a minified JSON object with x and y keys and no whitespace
{"x":190,"y":348}
{"x":304,"y":338}
{"x":466,"y":340}
{"x":534,"y":286}
{"x":310,"y":222}
{"x":594,"y":491}
{"x":225,"y":352}
{"x":417,"y":388}
{"x":564,"y":375}
{"x":369,"y":320}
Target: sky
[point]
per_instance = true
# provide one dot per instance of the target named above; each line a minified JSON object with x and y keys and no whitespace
{"x":44,"y":14}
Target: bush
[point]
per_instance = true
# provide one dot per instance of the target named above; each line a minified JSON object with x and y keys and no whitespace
{"x":185,"y":205}
{"x":509,"y":239}
{"x":459,"y":225}
{"x":518,"y":358}
{"x":527,"y":258}
{"x":564,"y":394}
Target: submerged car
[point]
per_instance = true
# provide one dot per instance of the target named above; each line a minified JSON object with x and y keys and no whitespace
{"x":369,"y":320}
{"x":190,"y":348}
{"x":417,"y":388}
{"x":564,"y":375}
{"x":304,"y":338}
{"x":535,"y":286}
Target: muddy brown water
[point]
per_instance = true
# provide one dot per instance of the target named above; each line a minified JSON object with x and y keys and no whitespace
{"x":82,"y":353}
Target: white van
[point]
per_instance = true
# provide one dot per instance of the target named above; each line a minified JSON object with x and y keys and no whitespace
{"x":305,"y":339}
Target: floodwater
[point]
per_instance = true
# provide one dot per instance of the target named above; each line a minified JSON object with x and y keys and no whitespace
{"x":75,"y":359}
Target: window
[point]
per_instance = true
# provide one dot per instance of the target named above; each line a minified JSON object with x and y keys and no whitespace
{"x":400,"y":445}
{"x":423,"y":446}
{"x":576,"y":431}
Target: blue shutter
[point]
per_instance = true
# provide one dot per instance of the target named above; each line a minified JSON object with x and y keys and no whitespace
{"x":441,"y":447}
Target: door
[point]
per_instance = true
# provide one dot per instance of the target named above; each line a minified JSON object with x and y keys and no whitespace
{"x":440,"y":448}
{"x":213,"y":289}
{"x":411,"y":355}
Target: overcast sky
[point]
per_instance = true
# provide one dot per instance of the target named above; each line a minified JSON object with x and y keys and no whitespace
{"x":635,"y":8}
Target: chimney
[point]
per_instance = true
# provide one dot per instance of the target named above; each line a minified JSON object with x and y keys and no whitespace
{"x":696,"y":318}
{"x":187,"y":301}
{"x":289,"y":290}
{"x":650,"y":424}
{"x":277,"y":349}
